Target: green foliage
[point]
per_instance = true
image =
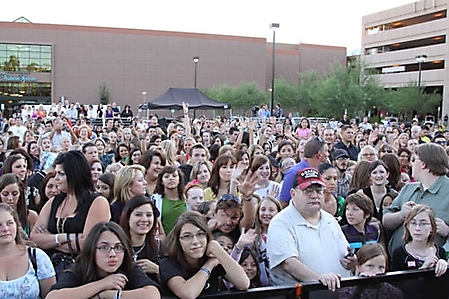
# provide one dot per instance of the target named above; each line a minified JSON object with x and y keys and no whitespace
{"x":12,"y":64}
{"x":241,"y":98}
{"x":105,"y":94}
{"x":352,"y":88}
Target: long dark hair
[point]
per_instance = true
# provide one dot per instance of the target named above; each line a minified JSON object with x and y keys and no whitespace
{"x":173,"y":247}
{"x":160,"y":188}
{"x":79,"y":177}
{"x":108,"y":179}
{"x":86,"y":258}
{"x":150,"y":238}
{"x":255,"y":282}
{"x":214,"y":181}
{"x":42,"y":187}
{"x":22,"y":208}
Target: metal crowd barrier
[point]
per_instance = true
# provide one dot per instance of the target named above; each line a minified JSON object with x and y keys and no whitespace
{"x":413,"y":283}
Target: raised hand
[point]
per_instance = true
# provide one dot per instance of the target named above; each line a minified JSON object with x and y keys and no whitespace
{"x":246,"y":238}
{"x":274,"y":191}
{"x":249,"y":185}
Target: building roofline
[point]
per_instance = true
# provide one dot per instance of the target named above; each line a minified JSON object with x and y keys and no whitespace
{"x":130,"y":31}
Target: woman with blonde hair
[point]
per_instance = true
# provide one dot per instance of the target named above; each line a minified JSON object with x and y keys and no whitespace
{"x":169,"y":148}
{"x":201,"y":172}
{"x":129,"y":182}
{"x":25,"y":272}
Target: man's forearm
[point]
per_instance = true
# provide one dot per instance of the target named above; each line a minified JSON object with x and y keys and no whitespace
{"x":392,"y":220}
{"x":298,"y":270}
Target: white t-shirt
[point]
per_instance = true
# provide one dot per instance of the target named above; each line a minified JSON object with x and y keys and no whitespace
{"x":18,"y":131}
{"x":264,"y":192}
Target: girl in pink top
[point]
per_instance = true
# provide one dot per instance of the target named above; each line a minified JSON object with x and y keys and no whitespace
{"x":303,"y":129}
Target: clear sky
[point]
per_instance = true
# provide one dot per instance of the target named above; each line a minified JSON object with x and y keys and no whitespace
{"x":326,"y":22}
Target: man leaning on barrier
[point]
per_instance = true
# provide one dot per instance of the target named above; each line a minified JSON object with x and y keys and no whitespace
{"x":305,"y":243}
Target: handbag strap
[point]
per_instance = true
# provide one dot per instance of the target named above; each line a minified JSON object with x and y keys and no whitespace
{"x":69,"y":245}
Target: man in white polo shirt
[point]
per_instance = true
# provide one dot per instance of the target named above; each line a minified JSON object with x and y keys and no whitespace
{"x":305,"y":243}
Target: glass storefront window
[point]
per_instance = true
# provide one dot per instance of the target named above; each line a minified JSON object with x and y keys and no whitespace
{"x":24,"y":57}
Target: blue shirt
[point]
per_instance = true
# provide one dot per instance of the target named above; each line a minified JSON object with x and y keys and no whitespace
{"x":288,"y":180}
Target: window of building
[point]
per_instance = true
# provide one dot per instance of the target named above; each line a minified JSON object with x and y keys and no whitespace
{"x":417,"y":43}
{"x":442,"y":14}
{"x":25,"y":58}
{"x":412,"y":67}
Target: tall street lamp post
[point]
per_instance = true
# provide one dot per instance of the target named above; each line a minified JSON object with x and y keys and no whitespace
{"x":420,"y":59}
{"x":144,"y":93}
{"x":195,"y":59}
{"x":273,"y":26}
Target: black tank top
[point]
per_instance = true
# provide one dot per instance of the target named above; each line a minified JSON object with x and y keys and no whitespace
{"x":72,"y":225}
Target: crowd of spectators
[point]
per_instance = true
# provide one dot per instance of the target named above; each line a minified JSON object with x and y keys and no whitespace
{"x":107,"y":210}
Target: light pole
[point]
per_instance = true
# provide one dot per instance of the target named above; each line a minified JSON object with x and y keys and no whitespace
{"x":195,"y":59}
{"x":420,"y":59}
{"x":144,"y":93}
{"x":273,"y":26}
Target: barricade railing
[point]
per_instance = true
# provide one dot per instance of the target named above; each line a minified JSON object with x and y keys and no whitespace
{"x":413,"y":284}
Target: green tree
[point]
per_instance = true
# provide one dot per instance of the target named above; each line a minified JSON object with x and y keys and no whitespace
{"x":12,"y":64}
{"x":241,"y":98}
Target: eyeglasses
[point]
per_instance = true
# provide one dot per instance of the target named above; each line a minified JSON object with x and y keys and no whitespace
{"x":343,"y":158}
{"x":419,"y":224}
{"x":106,"y":248}
{"x":200,"y":236}
{"x":442,"y":142}
{"x":228,"y":197}
{"x":387,"y":151}
{"x":310,"y":190}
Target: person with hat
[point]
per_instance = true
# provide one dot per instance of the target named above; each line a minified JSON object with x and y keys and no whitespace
{"x":305,"y":243}
{"x":315,"y":153}
{"x":341,"y":159}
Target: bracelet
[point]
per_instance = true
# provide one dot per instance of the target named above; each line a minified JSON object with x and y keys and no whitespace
{"x":248,"y":199}
{"x":118,"y":295}
{"x":205,"y":270}
{"x":57,"y":240}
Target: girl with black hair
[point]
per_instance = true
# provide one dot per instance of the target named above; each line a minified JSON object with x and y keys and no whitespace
{"x":105,"y":269}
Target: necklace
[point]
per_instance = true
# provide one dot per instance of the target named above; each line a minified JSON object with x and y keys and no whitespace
{"x":135,"y":254}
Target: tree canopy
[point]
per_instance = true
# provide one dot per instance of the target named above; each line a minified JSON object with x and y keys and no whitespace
{"x":342,"y":89}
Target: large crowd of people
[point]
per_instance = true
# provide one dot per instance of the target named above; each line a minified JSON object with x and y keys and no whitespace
{"x":201,"y":206}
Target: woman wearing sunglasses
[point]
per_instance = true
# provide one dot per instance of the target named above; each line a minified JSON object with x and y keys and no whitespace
{"x":105,"y":269}
{"x":195,"y":263}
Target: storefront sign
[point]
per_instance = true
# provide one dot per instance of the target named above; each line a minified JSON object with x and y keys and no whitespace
{"x":17,"y":78}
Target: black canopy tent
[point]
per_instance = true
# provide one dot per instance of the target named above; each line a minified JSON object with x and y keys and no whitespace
{"x":174,"y":97}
